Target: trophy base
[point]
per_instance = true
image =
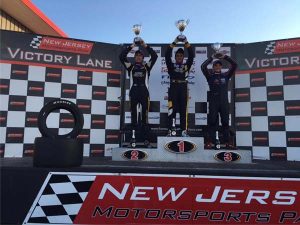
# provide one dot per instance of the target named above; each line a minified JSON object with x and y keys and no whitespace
{"x":181,"y":38}
{"x":133,"y":144}
{"x":137,"y":40}
{"x":218,"y":55}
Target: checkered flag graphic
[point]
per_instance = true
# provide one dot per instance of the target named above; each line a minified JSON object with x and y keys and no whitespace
{"x":270,"y":48}
{"x":36,"y":41}
{"x":61,"y":199}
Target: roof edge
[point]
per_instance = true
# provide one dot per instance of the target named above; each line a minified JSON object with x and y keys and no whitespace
{"x":39,"y":13}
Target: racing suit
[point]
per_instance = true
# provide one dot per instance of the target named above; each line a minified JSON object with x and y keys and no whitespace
{"x":178,"y":90}
{"x":139,"y":81}
{"x":218,"y":98}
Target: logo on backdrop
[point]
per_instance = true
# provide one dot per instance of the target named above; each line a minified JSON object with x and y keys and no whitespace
{"x":269,"y":54}
{"x":29,"y":48}
{"x":62,"y":45}
{"x":285,"y":46}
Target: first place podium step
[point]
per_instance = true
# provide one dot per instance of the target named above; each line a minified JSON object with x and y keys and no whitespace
{"x":181,"y":149}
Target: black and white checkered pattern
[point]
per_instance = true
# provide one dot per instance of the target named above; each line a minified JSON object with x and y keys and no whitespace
{"x":270,"y":48}
{"x":26,"y":89}
{"x":268,"y":114}
{"x":36,"y":42}
{"x":61,"y":199}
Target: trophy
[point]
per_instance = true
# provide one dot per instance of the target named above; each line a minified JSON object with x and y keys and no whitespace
{"x":218,"y":144}
{"x":216,"y":47}
{"x":137,"y":29}
{"x":173,"y":131}
{"x":181,"y":25}
{"x":133,"y":141}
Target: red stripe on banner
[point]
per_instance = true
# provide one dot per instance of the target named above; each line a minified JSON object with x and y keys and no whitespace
{"x":84,"y":106}
{"x":31,"y":119}
{"x":113,"y":107}
{"x":242,"y":95}
{"x":36,"y":88}
{"x":99,"y":92}
{"x":294,"y":139}
{"x":259,"y":108}
{"x":291,"y":77}
{"x":83,"y":136}
{"x":60,"y":66}
{"x":17,"y":103}
{"x":243,"y":124}
{"x":15,"y":135}
{"x":241,"y":72}
{"x":260,"y":138}
{"x":114,"y":80}
{"x":98,"y":121}
{"x":296,"y":107}
{"x":3,"y":86}
{"x":275,"y":93}
{"x":67,"y":120}
{"x":257,"y":79}
{"x":84,"y":78}
{"x":69,"y":91}
{"x":53,"y":74}
{"x":20,"y":72}
{"x":278,"y":154}
{"x":112,"y":136}
{"x":276,"y":123}
{"x":95,"y":151}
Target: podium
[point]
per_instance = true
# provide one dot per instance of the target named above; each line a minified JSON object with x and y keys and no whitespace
{"x":181,"y":149}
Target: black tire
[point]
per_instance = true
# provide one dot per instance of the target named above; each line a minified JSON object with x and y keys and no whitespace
{"x":51,"y":152}
{"x":60,"y":104}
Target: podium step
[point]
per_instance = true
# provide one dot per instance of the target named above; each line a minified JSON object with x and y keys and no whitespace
{"x":181,"y":149}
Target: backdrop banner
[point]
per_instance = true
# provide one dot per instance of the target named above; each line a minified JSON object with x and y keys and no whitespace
{"x":267,"y":100}
{"x":269,"y":55}
{"x":36,"y":69}
{"x":164,"y":199}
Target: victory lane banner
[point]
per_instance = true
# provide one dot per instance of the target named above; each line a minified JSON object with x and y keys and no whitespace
{"x":268,"y":55}
{"x":99,"y":198}
{"x":41,"y":50}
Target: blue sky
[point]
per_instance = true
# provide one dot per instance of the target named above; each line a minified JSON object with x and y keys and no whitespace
{"x":226,"y":21}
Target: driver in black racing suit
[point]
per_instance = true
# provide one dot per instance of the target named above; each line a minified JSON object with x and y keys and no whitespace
{"x":178,"y":91}
{"x":218,"y":97}
{"x":139,"y":73}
